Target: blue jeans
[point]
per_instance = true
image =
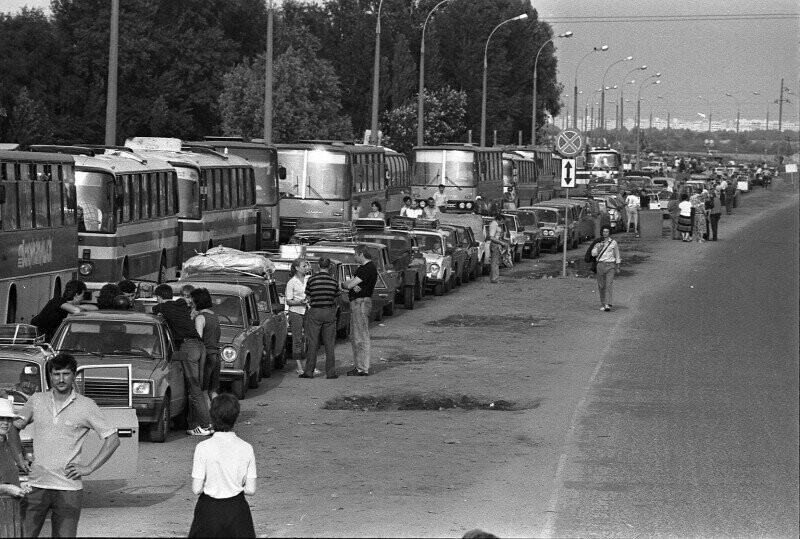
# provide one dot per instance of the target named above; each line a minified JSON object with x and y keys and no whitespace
{"x":494,"y":269}
{"x":198,"y":407}
{"x":321,"y":322}
{"x":64,"y":504}
{"x":296,"y":323}
{"x":606,"y":271}
{"x":359,"y":332}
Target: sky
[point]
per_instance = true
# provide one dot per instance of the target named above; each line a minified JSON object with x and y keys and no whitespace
{"x":703,"y":49}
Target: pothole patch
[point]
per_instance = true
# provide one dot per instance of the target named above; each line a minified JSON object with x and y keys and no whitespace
{"x":495,"y":322}
{"x":418,"y":402}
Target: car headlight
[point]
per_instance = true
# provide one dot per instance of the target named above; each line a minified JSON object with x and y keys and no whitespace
{"x":86,"y":268}
{"x":141,"y":388}
{"x":469,"y":205}
{"x":228,"y":354}
{"x":433,"y":268}
{"x":461,"y":206}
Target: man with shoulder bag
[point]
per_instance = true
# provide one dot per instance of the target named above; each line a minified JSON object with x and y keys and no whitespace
{"x":608,"y":260}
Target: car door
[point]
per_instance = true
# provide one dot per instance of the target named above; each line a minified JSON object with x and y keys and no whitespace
{"x":176,"y":375}
{"x":254,"y":333}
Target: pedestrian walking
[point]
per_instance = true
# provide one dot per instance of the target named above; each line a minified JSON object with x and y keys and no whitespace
{"x":61,"y":419}
{"x":206,"y":323}
{"x":497,"y":244}
{"x":296,"y":303}
{"x":730,"y":194}
{"x":56,"y":310}
{"x":178,"y":314}
{"x":632,"y":204}
{"x":321,"y":290}
{"x":608,"y":261}
{"x":11,"y":491}
{"x":685,"y":217}
{"x":360,"y":287}
{"x":714,"y":215}
{"x":223,"y":473}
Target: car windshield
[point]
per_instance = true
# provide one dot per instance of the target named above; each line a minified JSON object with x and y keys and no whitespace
{"x":20,"y":379}
{"x":430,"y":244}
{"x":228,"y":309}
{"x":111,"y":337}
{"x":551,"y":216}
{"x":511,"y":223}
{"x":397,"y":246}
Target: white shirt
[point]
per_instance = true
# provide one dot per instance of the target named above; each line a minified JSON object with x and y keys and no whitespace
{"x":440,"y":199}
{"x":607,"y":252}
{"x":414,"y":212}
{"x":686,"y":208}
{"x":224,"y":462}
{"x":632,"y":201}
{"x":296,"y":290}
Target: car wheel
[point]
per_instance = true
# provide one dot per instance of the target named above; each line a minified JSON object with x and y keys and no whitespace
{"x":388,"y":309}
{"x":255,"y":379}
{"x":555,"y":248}
{"x":517,"y":254}
{"x":239,"y":387}
{"x":280,"y":359}
{"x":408,"y":299}
{"x":265,"y":367}
{"x":160,"y":429}
{"x":538,"y":252}
{"x":379,"y":315}
{"x":457,"y":278}
{"x":419,"y":290}
{"x":438,"y":289}
{"x":448,"y":285}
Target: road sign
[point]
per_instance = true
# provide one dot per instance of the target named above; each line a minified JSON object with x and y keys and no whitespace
{"x":569,"y":143}
{"x":567,"y":173}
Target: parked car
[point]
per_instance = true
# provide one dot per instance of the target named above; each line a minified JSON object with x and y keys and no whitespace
{"x":602,"y":188}
{"x":615,"y":207}
{"x":387,"y":284}
{"x":552,"y":220}
{"x":405,"y":258}
{"x":627,"y":183}
{"x":471,"y":269}
{"x":597,"y":209}
{"x":473,"y":224}
{"x":532,"y":247}
{"x":439,"y":264}
{"x":454,"y":247}
{"x":23,"y":371}
{"x":579,"y":214}
{"x":282,"y":276}
{"x":143,"y":341}
{"x":516,"y":235}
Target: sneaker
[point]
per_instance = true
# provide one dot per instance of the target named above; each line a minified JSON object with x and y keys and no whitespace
{"x":317,"y":372}
{"x":353,"y":372}
{"x":199,"y":431}
{"x":603,"y":308}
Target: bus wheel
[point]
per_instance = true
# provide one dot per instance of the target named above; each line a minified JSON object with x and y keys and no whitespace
{"x":11,"y":310}
{"x":162,"y":271}
{"x":408,"y":297}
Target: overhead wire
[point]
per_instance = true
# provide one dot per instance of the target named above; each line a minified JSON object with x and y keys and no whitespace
{"x":672,"y":18}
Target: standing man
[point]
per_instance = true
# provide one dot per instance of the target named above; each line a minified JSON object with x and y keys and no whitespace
{"x":61,"y":419}
{"x":730,"y":193}
{"x":361,"y":287}
{"x":177,"y":313}
{"x":632,"y":203}
{"x":496,"y":239}
{"x":440,"y":199}
{"x":321,"y":291}
{"x":714,"y":214}
{"x":674,"y":211}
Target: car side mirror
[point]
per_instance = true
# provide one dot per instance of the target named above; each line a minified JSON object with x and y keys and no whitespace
{"x":179,"y":355}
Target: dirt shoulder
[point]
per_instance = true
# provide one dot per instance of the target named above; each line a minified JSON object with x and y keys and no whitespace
{"x":461,"y":425}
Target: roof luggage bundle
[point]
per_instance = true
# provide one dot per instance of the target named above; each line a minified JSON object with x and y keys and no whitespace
{"x":226,"y":259}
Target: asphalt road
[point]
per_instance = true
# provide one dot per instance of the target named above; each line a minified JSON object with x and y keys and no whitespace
{"x":691,"y":424}
{"x":523,"y":410}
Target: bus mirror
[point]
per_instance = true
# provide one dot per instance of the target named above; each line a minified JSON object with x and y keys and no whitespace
{"x":2,"y":194}
{"x":281,"y":173}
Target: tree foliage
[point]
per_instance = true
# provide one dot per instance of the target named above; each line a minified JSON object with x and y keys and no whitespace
{"x":444,"y":112}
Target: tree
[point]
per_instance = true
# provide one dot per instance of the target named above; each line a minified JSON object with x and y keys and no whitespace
{"x":445,"y":111}
{"x":404,"y":73}
{"x":28,"y":120}
{"x":306,"y":96}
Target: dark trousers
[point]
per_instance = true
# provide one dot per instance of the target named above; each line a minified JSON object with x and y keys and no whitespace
{"x":320,"y":323}
{"x":713,"y":220}
{"x":728,"y":204}
{"x":65,"y":506}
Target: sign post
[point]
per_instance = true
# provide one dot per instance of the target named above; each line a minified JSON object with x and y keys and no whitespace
{"x":569,"y":144}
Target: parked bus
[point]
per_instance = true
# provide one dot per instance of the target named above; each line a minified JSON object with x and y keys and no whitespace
{"x":216,"y":195}
{"x":319,"y":179}
{"x":466,"y":171}
{"x":126,"y":215}
{"x":38,"y":232}
{"x":397,"y":181}
{"x":264,"y":158}
{"x":598,"y":164}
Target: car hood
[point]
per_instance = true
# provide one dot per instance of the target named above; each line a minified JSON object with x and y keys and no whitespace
{"x":141,"y":367}
{"x":227,"y":334}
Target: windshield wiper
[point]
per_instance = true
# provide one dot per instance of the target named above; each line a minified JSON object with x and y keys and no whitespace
{"x":133,"y":352}
{"x":433,"y":180}
{"x":454,"y":183}
{"x":317,"y":193}
{"x":79,"y":351}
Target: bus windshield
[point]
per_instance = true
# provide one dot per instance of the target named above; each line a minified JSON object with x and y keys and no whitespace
{"x":188,"y":192}
{"x":449,"y":167}
{"x":314,"y":174}
{"x":508,"y":172}
{"x":264,"y":172}
{"x":603,"y":160}
{"x":94,"y":191}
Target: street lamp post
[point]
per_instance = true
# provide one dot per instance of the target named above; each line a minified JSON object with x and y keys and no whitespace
{"x":485,"y":65}
{"x":603,"y":97}
{"x":708,"y":101}
{"x":376,"y":67}
{"x":111,"y":91}
{"x":590,"y":97}
{"x":639,"y":117}
{"x":268,"y":77}
{"x":667,"y":102}
{"x":622,"y":99}
{"x":738,"y":108}
{"x":420,"y":105}
{"x":535,"y":77}
{"x":602,"y":48}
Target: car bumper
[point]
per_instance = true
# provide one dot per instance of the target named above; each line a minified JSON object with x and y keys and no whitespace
{"x":230,"y":375}
{"x":148,"y":410}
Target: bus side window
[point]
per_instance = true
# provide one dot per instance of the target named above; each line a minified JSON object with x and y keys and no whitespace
{"x":25,"y":198}
{"x":10,"y":208}
{"x":135,"y":194}
{"x":41,"y":206}
{"x":216,"y":180}
{"x":56,"y":204}
{"x":144,"y":180}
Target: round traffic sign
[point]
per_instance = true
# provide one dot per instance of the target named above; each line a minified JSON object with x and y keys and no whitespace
{"x":569,"y":143}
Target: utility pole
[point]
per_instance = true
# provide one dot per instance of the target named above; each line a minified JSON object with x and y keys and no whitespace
{"x":268,"y":79}
{"x":111,"y":91}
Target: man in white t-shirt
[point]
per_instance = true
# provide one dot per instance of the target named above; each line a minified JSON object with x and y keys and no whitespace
{"x":440,"y":199}
{"x":632,"y":204}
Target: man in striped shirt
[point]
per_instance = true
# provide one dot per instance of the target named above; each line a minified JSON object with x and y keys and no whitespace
{"x":321,"y":291}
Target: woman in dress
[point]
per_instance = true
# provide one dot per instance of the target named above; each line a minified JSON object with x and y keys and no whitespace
{"x":376,"y":211}
{"x":698,"y":202}
{"x":223,"y":473}
{"x":206,"y":323}
{"x":685,"y":217}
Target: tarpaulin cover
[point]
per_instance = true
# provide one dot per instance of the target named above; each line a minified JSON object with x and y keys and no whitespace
{"x":225,"y":259}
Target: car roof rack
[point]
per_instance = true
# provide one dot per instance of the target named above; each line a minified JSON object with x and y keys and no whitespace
{"x":366,"y":223}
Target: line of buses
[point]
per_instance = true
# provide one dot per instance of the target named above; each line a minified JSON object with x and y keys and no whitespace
{"x":103,"y":214}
